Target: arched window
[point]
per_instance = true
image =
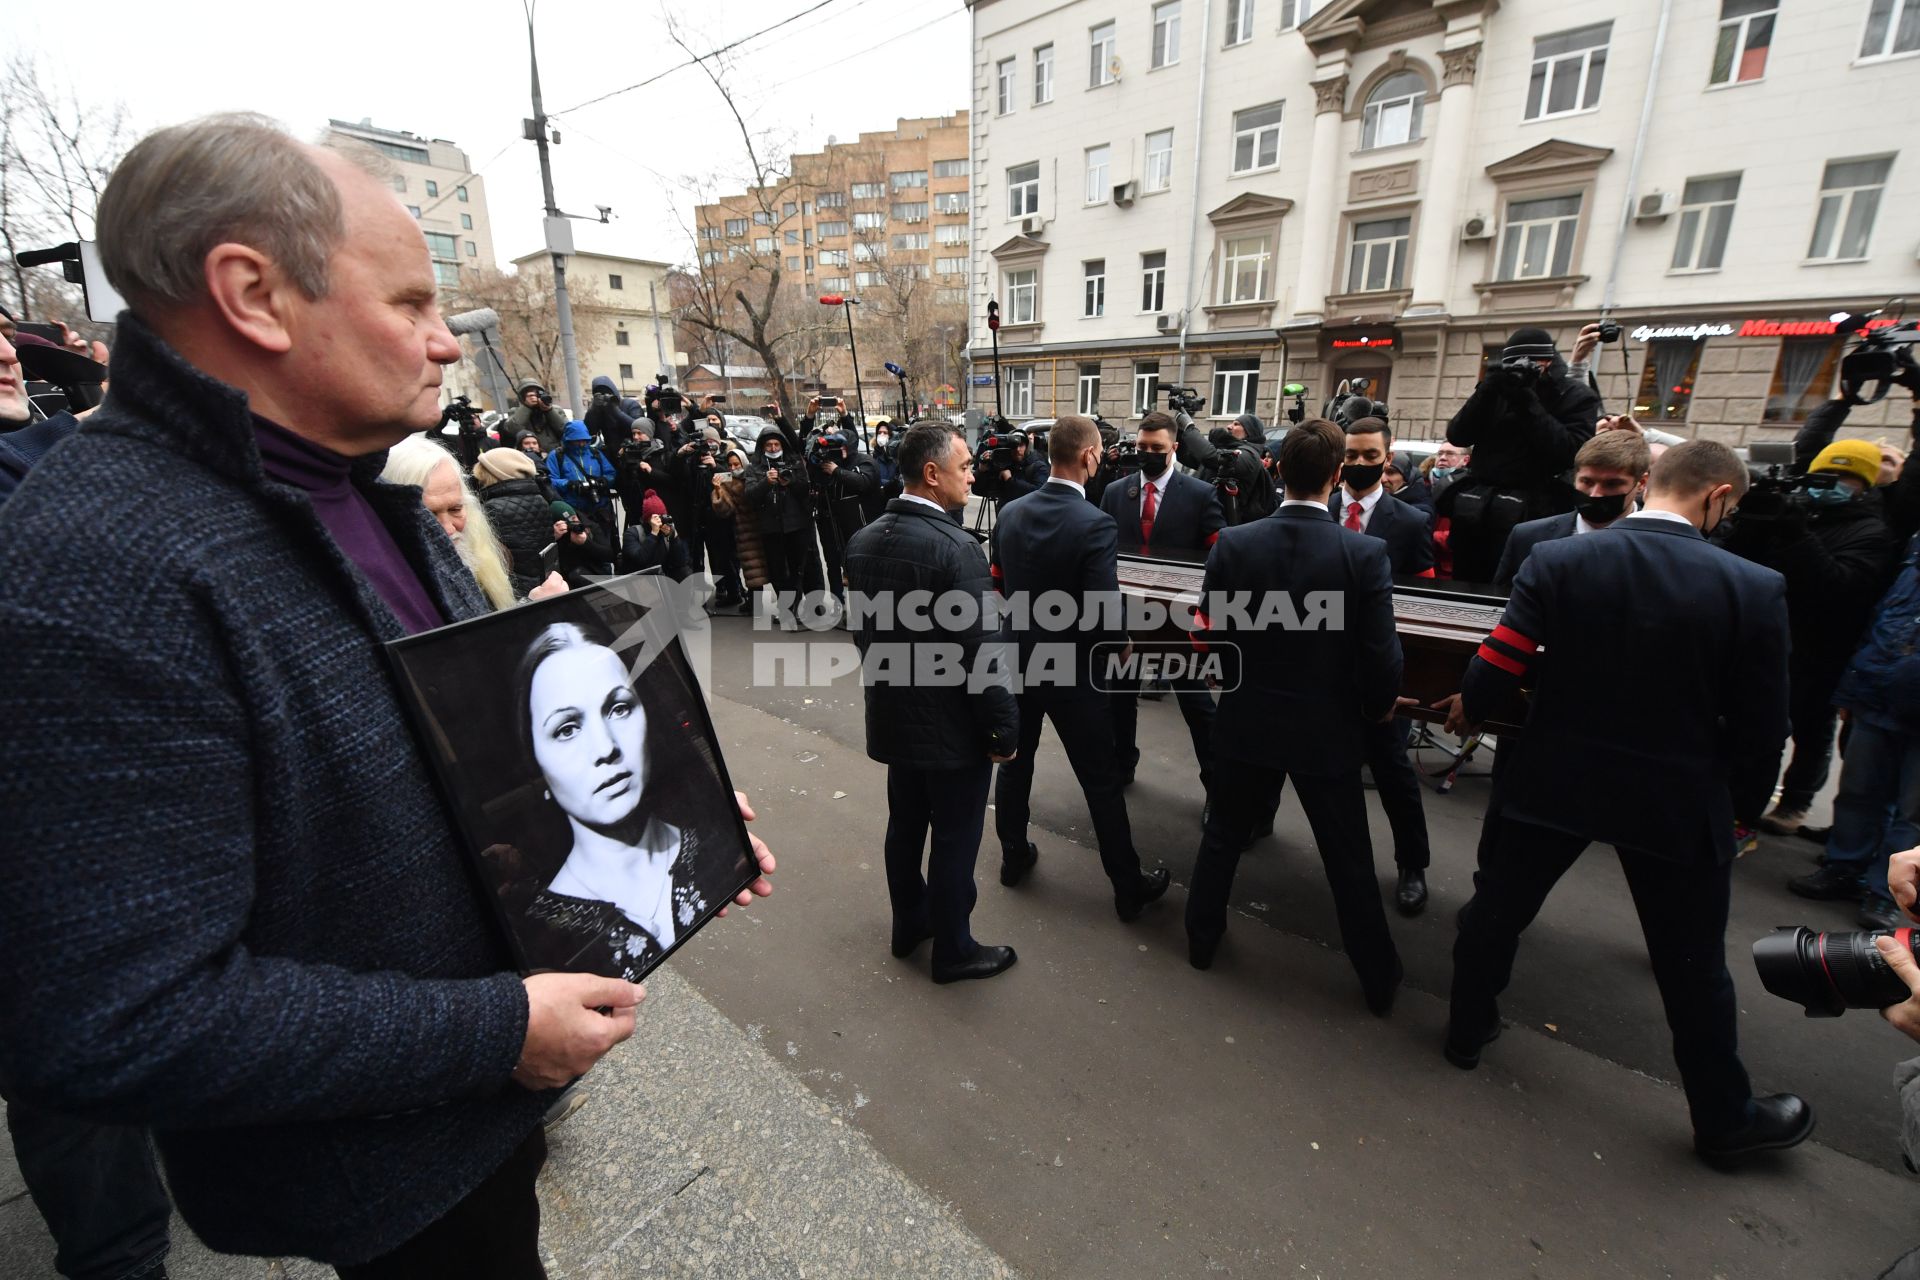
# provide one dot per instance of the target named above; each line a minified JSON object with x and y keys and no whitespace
{"x":1393,"y":111}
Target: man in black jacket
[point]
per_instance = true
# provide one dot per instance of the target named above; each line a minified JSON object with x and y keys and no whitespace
{"x":1524,"y":423}
{"x":610,"y":416}
{"x":1706,"y":640}
{"x":1056,"y":541}
{"x":1609,"y":475}
{"x":842,"y":477}
{"x":781,"y":499}
{"x":1307,"y":687}
{"x":1232,"y":459}
{"x":938,"y":739}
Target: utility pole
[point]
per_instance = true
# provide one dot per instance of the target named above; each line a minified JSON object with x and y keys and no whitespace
{"x":659,"y":343}
{"x":559,"y":235}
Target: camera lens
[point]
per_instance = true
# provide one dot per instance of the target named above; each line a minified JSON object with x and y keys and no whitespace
{"x":1828,"y":973}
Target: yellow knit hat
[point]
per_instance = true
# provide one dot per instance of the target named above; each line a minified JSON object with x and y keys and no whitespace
{"x":1850,"y":458}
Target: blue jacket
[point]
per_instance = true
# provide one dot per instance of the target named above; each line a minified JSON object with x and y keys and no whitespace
{"x":236,"y":911}
{"x":578,"y":460}
{"x":1882,"y":683}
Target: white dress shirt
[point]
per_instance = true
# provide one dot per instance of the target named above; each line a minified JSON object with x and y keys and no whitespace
{"x":1074,"y":485}
{"x":1366,"y":505}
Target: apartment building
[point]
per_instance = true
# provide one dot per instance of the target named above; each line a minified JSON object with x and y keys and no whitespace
{"x":623,"y":323}
{"x":1242,"y":193}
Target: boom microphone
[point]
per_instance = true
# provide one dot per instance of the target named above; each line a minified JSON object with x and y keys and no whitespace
{"x":473,"y":321}
{"x":69,"y":251}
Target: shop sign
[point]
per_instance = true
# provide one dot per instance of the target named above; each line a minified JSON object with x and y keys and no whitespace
{"x":1692,"y":332}
{"x":1364,"y":342}
{"x":1799,"y":328}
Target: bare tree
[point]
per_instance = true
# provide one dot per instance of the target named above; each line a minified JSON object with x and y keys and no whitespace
{"x":530,"y":318}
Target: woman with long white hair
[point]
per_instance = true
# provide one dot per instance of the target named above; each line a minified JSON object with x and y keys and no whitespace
{"x":448,"y":495}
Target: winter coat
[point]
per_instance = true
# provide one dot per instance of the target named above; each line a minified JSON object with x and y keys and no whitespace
{"x":779,"y":508}
{"x":642,"y":549}
{"x":1882,"y":682}
{"x":522,"y":518}
{"x":1523,"y":438}
{"x":730,"y":510}
{"x":549,"y":424}
{"x":571,"y":471}
{"x":611,"y":420}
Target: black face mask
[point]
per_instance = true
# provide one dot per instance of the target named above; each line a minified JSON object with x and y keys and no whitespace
{"x":1362,"y":478}
{"x":1154,"y":465}
{"x":1603,"y":508}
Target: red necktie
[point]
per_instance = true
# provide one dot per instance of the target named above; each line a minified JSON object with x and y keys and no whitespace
{"x":1353,"y":515}
{"x":1146,"y":516}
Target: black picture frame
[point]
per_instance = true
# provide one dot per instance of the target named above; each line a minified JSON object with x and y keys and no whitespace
{"x":680,"y":852}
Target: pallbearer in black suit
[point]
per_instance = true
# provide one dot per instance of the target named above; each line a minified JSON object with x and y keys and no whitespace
{"x":1308,"y":686}
{"x":1054,"y":540}
{"x":1362,"y":504}
{"x":1609,"y":474}
{"x":1160,"y":509}
{"x":1705,"y":638}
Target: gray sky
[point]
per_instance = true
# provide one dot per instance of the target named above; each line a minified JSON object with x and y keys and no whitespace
{"x":460,"y":72}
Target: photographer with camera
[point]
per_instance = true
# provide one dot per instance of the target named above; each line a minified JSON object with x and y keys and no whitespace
{"x":1007,"y":466}
{"x":584,"y":550}
{"x":781,"y":500}
{"x":536,"y":413}
{"x":843,"y":478}
{"x":583,"y":478}
{"x":1823,"y":533}
{"x":691,"y":468}
{"x":470,"y":438}
{"x":1524,"y":423}
{"x":652,"y":542}
{"x":886,"y":466}
{"x":1232,"y":458}
{"x":610,"y":416}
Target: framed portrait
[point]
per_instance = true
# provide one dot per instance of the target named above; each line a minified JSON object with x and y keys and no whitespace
{"x":574,"y":748}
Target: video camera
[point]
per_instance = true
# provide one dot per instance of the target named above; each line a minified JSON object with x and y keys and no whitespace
{"x":1881,"y":359}
{"x":827,"y":446}
{"x":1350,"y":403}
{"x":1185,"y":400}
{"x":998,"y":450}
{"x":666,"y":395}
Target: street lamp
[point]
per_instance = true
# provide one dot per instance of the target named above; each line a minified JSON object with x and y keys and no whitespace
{"x":848,"y":304}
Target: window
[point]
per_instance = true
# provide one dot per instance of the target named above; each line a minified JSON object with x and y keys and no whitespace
{"x":473,"y":250}
{"x":833,"y":257}
{"x":615,"y":282}
{"x":1295,"y":12}
{"x":791,"y":237}
{"x":1094,"y":301}
{"x":949,"y":168}
{"x":706,"y":233}
{"x":831,"y":200}
{"x":950,"y":297}
{"x":414,"y":209}
{"x":951,"y":202}
{"x":913,"y":240}
{"x":950,"y":266}
{"x":400,"y":182}
{"x":836,"y":228}
{"x":399,"y":151}
{"x":761,"y":244}
{"x":1088,"y":401}
{"x":1146,"y":386}
{"x":441,"y":245}
{"x":836,"y":284}
{"x":1849,"y":199}
{"x":1666,"y":383}
{"x":1166,"y":33}
{"x":1893,"y":26}
{"x":1003,"y":81}
{"x":1746,"y":29}
{"x":793,"y":263}
{"x":869,"y":190}
{"x":1567,"y":70}
{"x":1098,"y":159}
{"x":762,"y":218}
{"x":909,"y":180}
{"x":788,"y":209}
{"x":1393,"y":111}
{"x":1100,"y":56}
{"x":709,"y":257}
{"x":1539,"y":238}
{"x":1802,"y":378}
{"x":1239,"y":22}
{"x":809,"y":261}
{"x":952,"y":233}
{"x":1378,"y":259}
{"x":1706,"y":214}
{"x":915,"y":212}
{"x":863,"y":279}
{"x":1153,"y":281}
{"x":875,"y":221}
{"x":865,"y":252}
{"x":621,"y":338}
{"x":626,"y":373}
{"x":1256,"y":138}
{"x":1023,"y":190}
{"x":447,"y":274}
{"x":1023,"y":296}
{"x":466,"y":222}
{"x":1020,"y":390}
{"x":1243,"y":269}
{"x":806,"y":236}
{"x":1043,"y":75}
{"x":433,"y":189}
{"x":736,"y":227}
{"x":1159,"y":175}
{"x":460,"y":194}
{"x":1236,"y":385}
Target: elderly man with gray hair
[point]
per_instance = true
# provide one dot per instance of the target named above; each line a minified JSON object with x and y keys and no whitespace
{"x":236,"y":911}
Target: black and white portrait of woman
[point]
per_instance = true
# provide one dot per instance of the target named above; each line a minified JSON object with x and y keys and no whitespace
{"x":603,"y":820}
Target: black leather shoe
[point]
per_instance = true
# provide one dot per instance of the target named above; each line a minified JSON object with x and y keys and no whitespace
{"x":1831,"y":882}
{"x":1779,"y":1121}
{"x":1014,"y":868}
{"x":907,"y":941}
{"x":983,"y":963}
{"x":1380,"y":999}
{"x":1200,"y":951}
{"x":1127,"y":768}
{"x":1464,"y":1054}
{"x":1410,"y":898}
{"x":1153,"y":884}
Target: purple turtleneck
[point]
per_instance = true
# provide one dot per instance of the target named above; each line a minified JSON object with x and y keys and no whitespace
{"x":326,"y":478}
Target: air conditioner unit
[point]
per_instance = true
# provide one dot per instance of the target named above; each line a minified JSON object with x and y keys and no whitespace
{"x":1125,"y":192}
{"x":1032,"y":225}
{"x":1655,"y":205}
{"x":1478,"y":227}
{"x":1167,"y":324}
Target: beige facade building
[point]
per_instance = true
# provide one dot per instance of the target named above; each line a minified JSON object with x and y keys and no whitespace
{"x":885,"y":219}
{"x":623,"y":326}
{"x":1242,"y":193}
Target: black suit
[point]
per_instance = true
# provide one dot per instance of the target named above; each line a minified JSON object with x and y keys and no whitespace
{"x":1704,"y":635}
{"x":1305,"y":697}
{"x":1525,"y":538}
{"x":1055,"y":540}
{"x":1406,"y":531}
{"x":1187,"y":518}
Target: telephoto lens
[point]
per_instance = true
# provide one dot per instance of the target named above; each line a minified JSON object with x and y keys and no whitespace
{"x":1828,"y":973}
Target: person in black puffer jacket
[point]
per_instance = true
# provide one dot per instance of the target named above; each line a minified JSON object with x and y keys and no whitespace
{"x":518,"y":504}
{"x":610,"y":416}
{"x":779,"y":495}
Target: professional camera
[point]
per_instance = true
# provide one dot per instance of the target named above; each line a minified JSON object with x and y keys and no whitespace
{"x":1123,"y":457}
{"x":1609,"y":333}
{"x":575,"y":524}
{"x":998,"y":451}
{"x":1828,"y":973}
{"x":460,"y":410}
{"x":667,"y":395}
{"x":592,"y":491}
{"x":1185,"y":400}
{"x":827,"y":446}
{"x":1881,"y":360}
{"x":1517,"y":372}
